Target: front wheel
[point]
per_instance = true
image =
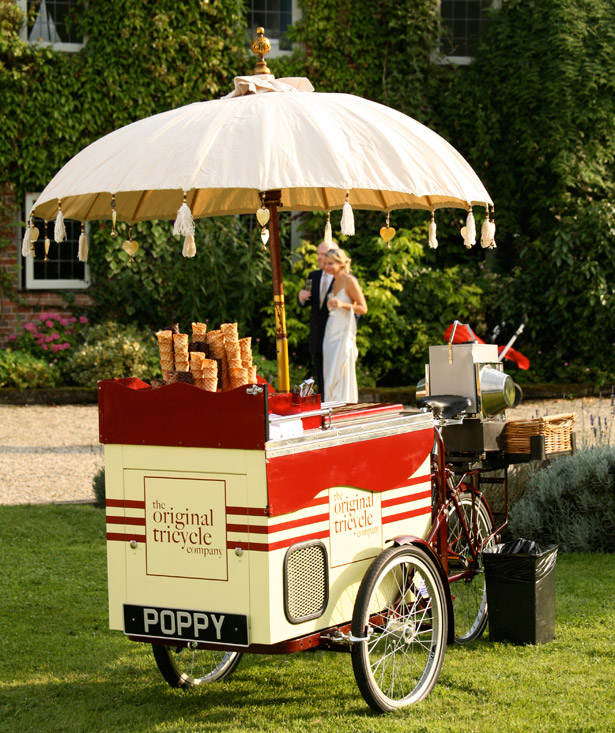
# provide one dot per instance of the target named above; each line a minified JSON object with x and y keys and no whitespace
{"x":182,"y":666}
{"x":400,"y":612}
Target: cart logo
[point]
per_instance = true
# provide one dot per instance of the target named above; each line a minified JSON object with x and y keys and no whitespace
{"x":355,"y":525}
{"x":185,"y":522}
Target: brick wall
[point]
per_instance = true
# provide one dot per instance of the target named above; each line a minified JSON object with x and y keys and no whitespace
{"x":19,"y":306}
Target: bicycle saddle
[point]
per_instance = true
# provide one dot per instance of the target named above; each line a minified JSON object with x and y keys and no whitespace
{"x":444,"y":406}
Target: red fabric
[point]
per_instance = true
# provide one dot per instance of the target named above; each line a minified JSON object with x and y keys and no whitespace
{"x":463,"y":334}
{"x":521,"y":361}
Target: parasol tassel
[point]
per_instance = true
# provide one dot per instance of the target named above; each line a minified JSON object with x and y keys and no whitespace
{"x":189,"y":249}
{"x":328,"y":238}
{"x":59,"y":230}
{"x":83,"y":247}
{"x":184,"y":223}
{"x":347,"y":224}
{"x":26,"y":244}
{"x":469,"y":231}
{"x":492,"y":244}
{"x":433,"y":241}
{"x":485,"y":233}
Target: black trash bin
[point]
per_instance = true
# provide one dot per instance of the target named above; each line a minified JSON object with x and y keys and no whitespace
{"x":520,"y":579}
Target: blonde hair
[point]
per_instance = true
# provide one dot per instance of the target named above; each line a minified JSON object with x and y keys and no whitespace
{"x":338,"y":255}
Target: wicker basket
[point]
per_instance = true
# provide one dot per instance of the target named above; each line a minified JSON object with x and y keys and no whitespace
{"x":557,"y":430}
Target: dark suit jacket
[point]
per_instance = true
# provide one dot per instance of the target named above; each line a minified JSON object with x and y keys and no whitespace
{"x":318,"y":314}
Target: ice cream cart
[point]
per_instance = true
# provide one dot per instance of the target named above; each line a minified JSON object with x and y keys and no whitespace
{"x":255,"y":521}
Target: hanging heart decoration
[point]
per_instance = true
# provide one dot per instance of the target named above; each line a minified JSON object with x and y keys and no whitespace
{"x":264,"y":236}
{"x":263,"y":215}
{"x":130,"y":246}
{"x":387,"y":233}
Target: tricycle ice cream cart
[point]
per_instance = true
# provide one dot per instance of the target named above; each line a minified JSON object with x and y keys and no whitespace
{"x":253,"y":520}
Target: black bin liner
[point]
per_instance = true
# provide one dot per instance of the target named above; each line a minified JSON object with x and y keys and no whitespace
{"x":520,"y":579}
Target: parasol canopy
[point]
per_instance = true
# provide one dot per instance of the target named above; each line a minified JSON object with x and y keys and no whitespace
{"x":270,"y":135}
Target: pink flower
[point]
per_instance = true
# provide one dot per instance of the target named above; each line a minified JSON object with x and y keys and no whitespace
{"x":565,"y":363}
{"x":48,"y":339}
{"x":54,"y":335}
{"x":42,"y":316}
{"x":44,"y":347}
{"x":49,"y":324}
{"x":72,"y":319}
{"x":83,"y":319}
{"x":65,"y":345}
{"x":12,"y":337}
{"x":586,"y":369}
{"x":55,"y":348}
{"x":63,"y":322}
{"x":30,"y":327}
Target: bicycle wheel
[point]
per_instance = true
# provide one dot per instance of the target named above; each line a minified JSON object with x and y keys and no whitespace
{"x":401,"y":610}
{"x":185,"y":667}
{"x":469,"y":592}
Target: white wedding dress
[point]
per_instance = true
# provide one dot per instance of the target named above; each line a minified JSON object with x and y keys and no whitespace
{"x":339,"y":353}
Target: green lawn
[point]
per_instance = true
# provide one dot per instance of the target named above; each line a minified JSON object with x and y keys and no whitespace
{"x":61,"y":669}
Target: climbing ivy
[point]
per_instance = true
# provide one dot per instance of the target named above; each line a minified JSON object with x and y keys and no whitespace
{"x":140,"y":58}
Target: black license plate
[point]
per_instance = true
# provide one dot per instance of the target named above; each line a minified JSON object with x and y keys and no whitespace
{"x":186,"y":625}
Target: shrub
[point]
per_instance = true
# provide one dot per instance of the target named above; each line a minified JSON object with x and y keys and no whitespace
{"x":24,"y":371}
{"x":572,"y":503}
{"x":51,"y":337}
{"x":98,"y":485}
{"x":113,"y":350}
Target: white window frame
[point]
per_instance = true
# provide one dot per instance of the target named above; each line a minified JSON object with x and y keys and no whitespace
{"x":439,"y":58}
{"x":32,"y":283}
{"x":23,"y":33}
{"x":295,"y":15}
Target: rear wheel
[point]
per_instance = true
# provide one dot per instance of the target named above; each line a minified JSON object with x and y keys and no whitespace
{"x":469,"y":592}
{"x":182,"y":666}
{"x":400,"y":610}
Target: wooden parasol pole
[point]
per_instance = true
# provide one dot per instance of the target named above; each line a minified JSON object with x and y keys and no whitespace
{"x":272,"y":199}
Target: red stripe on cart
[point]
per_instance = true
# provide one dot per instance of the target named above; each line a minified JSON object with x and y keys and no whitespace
{"x":264,"y":529}
{"x":406,"y":515}
{"x":126,"y":520}
{"x":405,"y":499}
{"x":126,"y":503}
{"x":247,"y":511}
{"x":125,"y":537}
{"x":270,"y":546}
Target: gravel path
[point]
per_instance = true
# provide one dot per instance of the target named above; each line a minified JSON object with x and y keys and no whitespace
{"x":50,"y":454}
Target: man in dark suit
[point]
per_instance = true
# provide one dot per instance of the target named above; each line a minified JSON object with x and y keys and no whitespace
{"x":317,"y":297}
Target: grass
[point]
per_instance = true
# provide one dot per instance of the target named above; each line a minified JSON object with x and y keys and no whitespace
{"x":61,"y":669}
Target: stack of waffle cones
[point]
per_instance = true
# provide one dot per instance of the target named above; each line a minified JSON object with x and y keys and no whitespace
{"x":204,"y":371}
{"x":165,"y":349}
{"x":180,"y":348}
{"x":238,"y":374}
{"x":199,"y":333}
{"x":245,"y":346}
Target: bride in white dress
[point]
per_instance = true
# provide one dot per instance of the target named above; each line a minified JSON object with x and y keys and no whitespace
{"x":339,"y":348}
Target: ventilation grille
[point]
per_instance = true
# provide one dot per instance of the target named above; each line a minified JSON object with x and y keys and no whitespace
{"x":306,"y":582}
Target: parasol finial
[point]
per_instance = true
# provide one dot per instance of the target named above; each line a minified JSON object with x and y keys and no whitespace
{"x":261,"y":47}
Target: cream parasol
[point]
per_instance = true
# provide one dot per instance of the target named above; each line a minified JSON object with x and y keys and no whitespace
{"x":269,"y":143}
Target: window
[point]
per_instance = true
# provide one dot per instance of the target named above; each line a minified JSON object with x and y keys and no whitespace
{"x":62,"y":270}
{"x":275,"y":16}
{"x":50,"y":22}
{"x":464,"y":21}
